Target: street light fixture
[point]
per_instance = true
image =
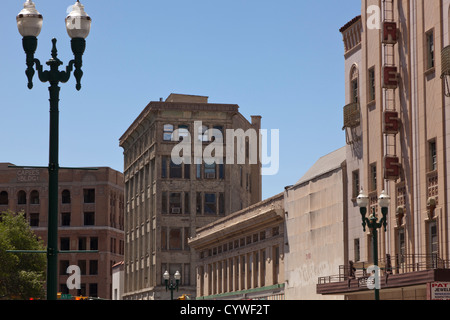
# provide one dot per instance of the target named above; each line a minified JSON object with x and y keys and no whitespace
{"x":383,"y":201}
{"x":170,"y":285}
{"x":78,"y":25}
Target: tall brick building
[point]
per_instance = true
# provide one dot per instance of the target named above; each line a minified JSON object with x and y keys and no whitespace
{"x":90,"y":218}
{"x":166,"y":202}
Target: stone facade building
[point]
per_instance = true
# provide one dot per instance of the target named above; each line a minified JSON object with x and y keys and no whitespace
{"x":396,"y":119}
{"x":241,"y":256}
{"x":91,"y":217}
{"x":166,"y":201}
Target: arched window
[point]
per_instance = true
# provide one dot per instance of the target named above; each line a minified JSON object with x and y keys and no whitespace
{"x":3,"y":198}
{"x":21,"y":197}
{"x":34,"y":197}
{"x":354,"y":84}
{"x":65,"y":196}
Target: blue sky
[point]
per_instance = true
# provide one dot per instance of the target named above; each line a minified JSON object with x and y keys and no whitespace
{"x":282,"y":60}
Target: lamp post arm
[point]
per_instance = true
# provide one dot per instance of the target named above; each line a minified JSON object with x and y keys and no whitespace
{"x":65,"y":75}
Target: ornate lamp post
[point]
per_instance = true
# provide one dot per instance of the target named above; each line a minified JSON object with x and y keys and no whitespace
{"x":170,"y":285}
{"x":78,"y":24}
{"x":384,"y":202}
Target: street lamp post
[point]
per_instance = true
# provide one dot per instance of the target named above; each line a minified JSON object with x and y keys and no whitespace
{"x":78,"y":24}
{"x":169,"y":282}
{"x":374,"y":225}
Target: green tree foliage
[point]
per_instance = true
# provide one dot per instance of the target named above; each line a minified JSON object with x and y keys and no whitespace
{"x":22,"y":275}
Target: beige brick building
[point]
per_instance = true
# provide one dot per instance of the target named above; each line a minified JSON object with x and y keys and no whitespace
{"x":397,"y":126}
{"x":166,"y":202}
{"x":90,"y":217}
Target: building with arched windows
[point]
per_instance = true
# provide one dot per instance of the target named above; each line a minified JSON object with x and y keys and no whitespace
{"x":90,"y":218}
{"x":397,"y":125}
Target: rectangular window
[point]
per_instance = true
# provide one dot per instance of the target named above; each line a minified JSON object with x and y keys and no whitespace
{"x":89,"y":218}
{"x":354,"y":87}
{"x":175,"y":239}
{"x":89,"y":195}
{"x":371,"y":84}
{"x":175,"y":170}
{"x":64,"y":244}
{"x":432,"y":155}
{"x":82,"y":243}
{"x":430,"y":49}
{"x":433,"y":238}
{"x":210,"y":203}
{"x":357,"y":250}
{"x":355,"y":184}
{"x":373,"y":177}
{"x":210,"y":171}
{"x":175,"y":203}
{"x":198,"y":168}
{"x":65,"y":219}
{"x":168,"y":132}
{"x":93,"y":243}
{"x":187,"y":171}
{"x":34,"y":219}
{"x":93,"y":267}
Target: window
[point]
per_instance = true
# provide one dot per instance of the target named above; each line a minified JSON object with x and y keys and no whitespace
{"x":3,"y":198}
{"x":64,"y":244}
{"x":354,"y":91}
{"x":34,"y":197}
{"x":198,"y":168}
{"x":93,"y":288}
{"x":187,"y":171}
{"x":357,"y":250}
{"x":65,"y":219}
{"x":168,"y":132}
{"x":210,"y":171}
{"x":175,"y":170}
{"x":175,"y":239}
{"x":373,"y":177}
{"x":355,"y":184}
{"x":183,"y":132}
{"x":433,"y":242}
{"x":63,"y":265}
{"x":430,"y":49}
{"x":34,"y":220}
{"x":21,"y":197}
{"x":93,"y":267}
{"x":401,"y":245}
{"x":65,"y":196}
{"x":210,"y":203}
{"x":82,"y":243}
{"x":93,"y":243}
{"x":432,"y":155}
{"x":371,"y":84}
{"x":89,"y":218}
{"x":175,"y":203}
{"x":89,"y":195}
